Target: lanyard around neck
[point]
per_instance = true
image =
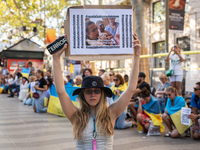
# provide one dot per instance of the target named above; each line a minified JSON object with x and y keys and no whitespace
{"x":94,"y":129}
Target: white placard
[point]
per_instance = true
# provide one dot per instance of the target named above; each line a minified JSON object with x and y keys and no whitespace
{"x":184,"y":115}
{"x":83,"y":42}
{"x":33,"y":90}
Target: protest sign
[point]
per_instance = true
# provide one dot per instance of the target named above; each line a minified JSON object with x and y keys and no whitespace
{"x":99,"y":32}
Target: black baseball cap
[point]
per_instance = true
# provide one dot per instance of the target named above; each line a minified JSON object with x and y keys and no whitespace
{"x":141,"y":74}
{"x":93,"y":82}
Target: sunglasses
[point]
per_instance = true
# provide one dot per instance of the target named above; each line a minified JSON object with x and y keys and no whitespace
{"x":161,"y":78}
{"x":195,"y":89}
{"x":115,"y":80}
{"x":168,"y":94}
{"x":96,"y":91}
{"x":110,"y":74}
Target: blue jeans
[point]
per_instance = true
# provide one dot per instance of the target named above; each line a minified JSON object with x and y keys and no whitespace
{"x":27,"y":101}
{"x":13,"y":86}
{"x":121,"y":123}
{"x":39,"y":103}
{"x":161,"y":102}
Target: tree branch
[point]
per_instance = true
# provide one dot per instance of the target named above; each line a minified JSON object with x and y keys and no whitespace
{"x":9,"y":7}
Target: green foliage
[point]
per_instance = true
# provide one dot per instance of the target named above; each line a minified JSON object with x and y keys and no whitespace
{"x":15,"y":13}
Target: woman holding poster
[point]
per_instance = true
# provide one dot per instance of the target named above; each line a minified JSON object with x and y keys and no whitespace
{"x":93,"y":122}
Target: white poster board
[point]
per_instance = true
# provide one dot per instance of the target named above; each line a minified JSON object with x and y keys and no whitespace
{"x":90,"y":40}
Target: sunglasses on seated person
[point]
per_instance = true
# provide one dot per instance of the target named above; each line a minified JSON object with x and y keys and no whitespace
{"x":115,"y":80}
{"x":96,"y":91}
{"x":195,"y":89}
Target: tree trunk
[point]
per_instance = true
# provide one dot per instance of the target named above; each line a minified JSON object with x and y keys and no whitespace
{"x":140,"y":8}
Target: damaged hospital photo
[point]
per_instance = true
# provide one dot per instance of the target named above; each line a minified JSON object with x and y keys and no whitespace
{"x":102,"y":31}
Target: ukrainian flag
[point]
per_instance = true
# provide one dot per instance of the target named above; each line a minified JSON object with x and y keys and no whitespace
{"x":54,"y":106}
{"x":175,"y":113}
{"x":25,"y":72}
{"x":152,"y":109}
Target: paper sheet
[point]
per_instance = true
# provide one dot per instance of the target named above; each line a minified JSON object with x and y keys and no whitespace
{"x":184,"y":115}
{"x":33,"y":90}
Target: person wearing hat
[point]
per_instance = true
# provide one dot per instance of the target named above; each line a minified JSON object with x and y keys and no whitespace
{"x":93,"y":122}
{"x":141,"y":85}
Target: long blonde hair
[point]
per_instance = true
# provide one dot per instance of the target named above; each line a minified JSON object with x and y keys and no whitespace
{"x":172,"y":89}
{"x":102,"y":120}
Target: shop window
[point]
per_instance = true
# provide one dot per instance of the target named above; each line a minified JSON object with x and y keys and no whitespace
{"x":159,"y":61}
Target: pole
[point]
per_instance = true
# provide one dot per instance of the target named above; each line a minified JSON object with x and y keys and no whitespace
{"x":100,"y":2}
{"x":166,"y":31}
{"x":44,"y":23}
{"x":140,"y":19}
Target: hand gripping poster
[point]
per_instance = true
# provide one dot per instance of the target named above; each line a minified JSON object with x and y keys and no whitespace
{"x":101,"y":31}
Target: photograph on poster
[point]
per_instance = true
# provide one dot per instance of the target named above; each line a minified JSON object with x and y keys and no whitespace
{"x":93,"y":31}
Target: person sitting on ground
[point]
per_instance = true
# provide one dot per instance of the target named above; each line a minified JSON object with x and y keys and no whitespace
{"x":94,"y":116}
{"x":78,"y":81}
{"x":101,"y":72}
{"x":23,"y":89}
{"x":66,"y":83}
{"x":161,"y":90}
{"x":106,"y":82}
{"x":195,"y":103}
{"x":15,"y":84}
{"x":148,"y":110}
{"x":40,"y":87}
{"x":2,"y":84}
{"x":87,"y":72}
{"x":112,"y":74}
{"x":126,"y":79}
{"x":29,"y":97}
{"x":134,"y":100}
{"x":117,"y":89}
{"x":171,"y":115}
{"x":70,"y":80}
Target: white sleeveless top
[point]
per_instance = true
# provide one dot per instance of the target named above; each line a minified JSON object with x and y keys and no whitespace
{"x":103,"y":143}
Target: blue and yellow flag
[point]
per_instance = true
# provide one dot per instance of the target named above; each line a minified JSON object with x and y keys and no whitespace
{"x":25,"y":72}
{"x":54,"y":106}
{"x":175,"y":113}
{"x":152,"y":109}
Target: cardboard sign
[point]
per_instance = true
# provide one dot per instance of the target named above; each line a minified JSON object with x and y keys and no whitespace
{"x":99,"y":32}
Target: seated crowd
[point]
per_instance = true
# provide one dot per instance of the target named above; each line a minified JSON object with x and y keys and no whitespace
{"x":144,"y":107}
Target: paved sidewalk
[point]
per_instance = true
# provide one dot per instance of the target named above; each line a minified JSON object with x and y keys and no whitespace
{"x":22,"y":129}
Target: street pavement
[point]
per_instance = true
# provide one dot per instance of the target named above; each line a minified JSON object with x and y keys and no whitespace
{"x":22,"y":129}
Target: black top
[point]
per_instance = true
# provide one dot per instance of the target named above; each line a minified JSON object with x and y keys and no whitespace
{"x":42,"y":82}
{"x":144,"y":84}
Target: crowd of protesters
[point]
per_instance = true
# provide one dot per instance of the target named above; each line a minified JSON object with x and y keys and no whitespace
{"x":144,"y":102}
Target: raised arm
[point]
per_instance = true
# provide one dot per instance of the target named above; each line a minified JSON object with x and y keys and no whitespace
{"x":67,"y":106}
{"x":119,"y":106}
{"x":167,"y":57}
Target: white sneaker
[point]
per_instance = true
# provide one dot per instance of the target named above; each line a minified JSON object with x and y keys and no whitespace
{"x":141,"y":131}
